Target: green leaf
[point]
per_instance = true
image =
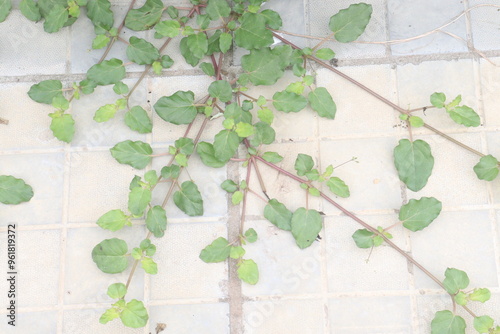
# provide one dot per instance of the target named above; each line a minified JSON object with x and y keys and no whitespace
{"x":273,"y":19}
{"x":110,"y":256}
{"x":364,"y":238}
{"x":149,"y":266}
{"x":217,"y":9}
{"x":13,"y":190}
{"x":87,"y":86}
{"x":188,"y":199}
{"x":416,"y":121}
{"x":56,"y":19}
{"x":45,"y":91}
{"x":453,"y":103}
{"x":460,"y":298}
{"x":306,"y":225}
{"x":321,"y":101}
{"x":418,"y":214}
{"x":487,"y":168}
{"x":465,"y":116}
{"x":483,"y":324}
{"x":156,"y":221}
{"x":208,"y":69}
{"x":236,"y":252}
{"x":265,"y":115}
{"x":414,"y":162}
{"x":117,"y":290}
{"x":272,"y":157}
{"x":218,"y":251}
{"x":278,"y":214}
{"x":206,"y":152}
{"x":244,"y":130}
{"x":225,"y":42}
{"x":455,"y":280}
{"x":146,"y":17}
{"x":438,"y":99}
{"x":170,"y":172}
{"x":5,"y":7}
{"x":134,"y":153}
{"x":177,"y":108}
{"x":29,"y":9}
{"x":235,"y":112}
{"x":225,"y":144}
{"x":348,"y":24}
{"x":113,"y":220}
{"x":62,"y":126}
{"x":106,"y":73}
{"x":138,"y":200}
{"x":264,"y":134}
{"x":237,"y":197}
{"x":325,"y":54}
{"x":166,"y":61}
{"x":109,"y":315}
{"x":338,"y":187}
{"x":266,"y":66}
{"x":480,"y":295}
{"x":445,"y":322}
{"x":138,"y":120}
{"x":105,"y":113}
{"x":194,"y":47}
{"x":303,"y":164}
{"x":60,"y":102}
{"x":151,"y":177}
{"x":214,"y":42}
{"x":221,"y":89}
{"x":251,"y":235}
{"x":169,"y":28}
{"x":248,"y":271}
{"x":141,"y":51}
{"x":229,"y":185}
{"x":99,"y":12}
{"x":252,"y":33}
{"x":134,"y":314}
{"x":185,"y":145}
{"x":289,"y":102}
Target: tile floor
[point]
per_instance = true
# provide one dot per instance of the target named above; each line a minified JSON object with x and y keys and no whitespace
{"x":330,"y":287}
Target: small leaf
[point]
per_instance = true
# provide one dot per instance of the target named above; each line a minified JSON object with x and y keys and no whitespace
{"x":141,"y":51}
{"x":113,"y":220}
{"x":338,"y":187}
{"x":487,"y":168}
{"x":62,"y":126}
{"x":225,"y":42}
{"x":194,"y":47}
{"x":207,"y":154}
{"x":156,"y":221}
{"x":13,"y":190}
{"x":221,"y":89}
{"x":134,"y":314}
{"x":106,"y":73}
{"x":465,"y":116}
{"x":414,"y":162}
{"x":149,"y":266}
{"x":105,"y":113}
{"x":177,"y":108}
{"x":445,"y":322}
{"x":265,"y":115}
{"x":248,"y":271}
{"x":109,"y":256}
{"x":306,"y":225}
{"x":272,"y":157}
{"x":229,"y":185}
{"x":438,"y":99}
{"x":348,"y":24}
{"x":264,"y":134}
{"x":137,"y":119}
{"x":218,"y":251}
{"x":188,"y":199}
{"x":109,"y":315}
{"x":251,"y":235}
{"x":100,"y":41}
{"x":418,"y":214}
{"x":483,"y":324}
{"x":273,"y":19}
{"x":237,"y":197}
{"x":364,"y":238}
{"x":321,"y":101}
{"x":236,"y":252}
{"x":145,"y":17}
{"x":278,"y":214}
{"x":416,"y":121}
{"x":45,"y":91}
{"x":252,"y":33}
{"x":265,"y":66}
{"x":461,"y":298}
{"x":99,"y":12}
{"x":289,"y":102}
{"x":169,"y":28}
{"x":29,"y":9}
{"x":303,"y":164}
{"x":208,"y":69}
{"x":217,"y":9}
{"x":244,"y":130}
{"x":225,"y":144}
{"x":170,"y":172}
{"x":480,"y":295}
{"x":455,"y":280}
{"x":325,"y":54}
{"x":138,"y":200}
{"x":56,"y":18}
{"x":134,"y":153}
{"x":185,"y":145}
{"x":117,"y":290}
